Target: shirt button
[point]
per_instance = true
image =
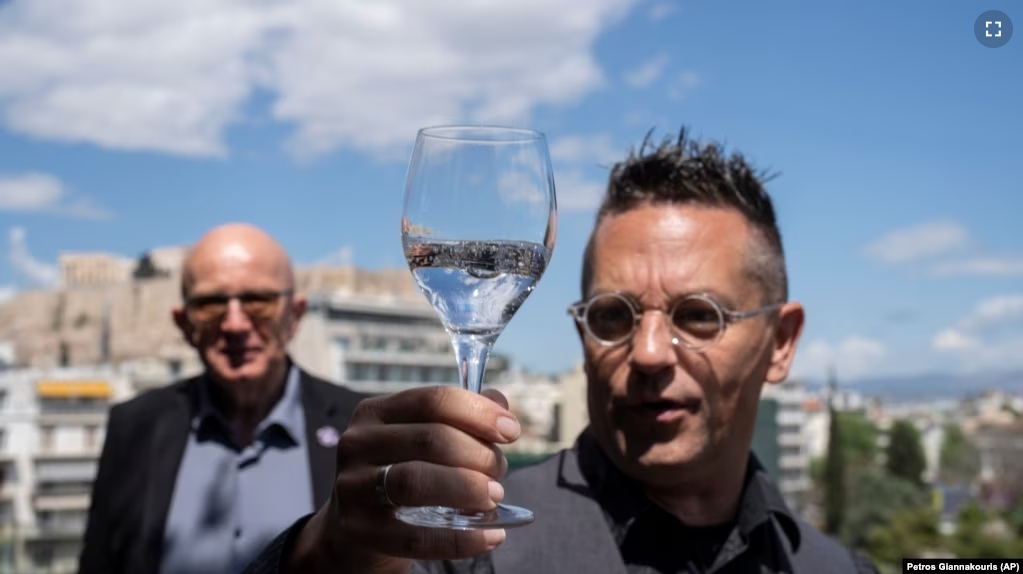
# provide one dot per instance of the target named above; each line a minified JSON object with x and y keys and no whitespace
{"x":237,"y":532}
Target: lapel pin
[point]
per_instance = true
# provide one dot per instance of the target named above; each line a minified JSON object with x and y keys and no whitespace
{"x":327,"y":436}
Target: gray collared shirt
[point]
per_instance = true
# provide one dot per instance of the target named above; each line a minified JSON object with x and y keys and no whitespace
{"x":229,"y":503}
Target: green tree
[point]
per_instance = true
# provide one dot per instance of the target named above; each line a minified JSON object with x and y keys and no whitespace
{"x":834,"y":477}
{"x":905,"y":453}
{"x":859,"y":439}
{"x":874,"y":498}
{"x":971,"y":541}
{"x":910,"y":532}
{"x":146,"y":269}
{"x":959,"y":460}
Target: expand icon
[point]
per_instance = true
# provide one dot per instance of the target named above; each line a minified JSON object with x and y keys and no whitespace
{"x":993,"y":29}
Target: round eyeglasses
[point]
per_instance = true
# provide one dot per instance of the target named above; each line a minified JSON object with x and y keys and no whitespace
{"x":698,"y":321}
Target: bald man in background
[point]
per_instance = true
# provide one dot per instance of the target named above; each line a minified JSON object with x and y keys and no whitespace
{"x":200,"y":475}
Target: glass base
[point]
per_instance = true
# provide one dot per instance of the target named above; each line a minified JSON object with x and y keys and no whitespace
{"x":503,"y":516}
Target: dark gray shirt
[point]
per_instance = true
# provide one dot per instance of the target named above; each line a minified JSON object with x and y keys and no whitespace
{"x":229,"y":503}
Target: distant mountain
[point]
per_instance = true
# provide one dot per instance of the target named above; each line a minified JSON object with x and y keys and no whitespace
{"x":932,"y":386}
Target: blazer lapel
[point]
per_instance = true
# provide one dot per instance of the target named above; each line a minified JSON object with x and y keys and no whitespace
{"x":166,"y":449}
{"x":325,"y":420}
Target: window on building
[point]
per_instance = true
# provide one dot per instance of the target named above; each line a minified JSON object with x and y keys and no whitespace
{"x":47,"y":436}
{"x":374,"y":343}
{"x":91,"y":438}
{"x":790,"y":451}
{"x":6,"y":511}
{"x":408,"y":345}
{"x":42,"y":555}
{"x":3,"y":399}
{"x":343,"y":343}
{"x":3,"y":440}
{"x":555,"y":434}
{"x":790,"y":429}
{"x":792,"y":474}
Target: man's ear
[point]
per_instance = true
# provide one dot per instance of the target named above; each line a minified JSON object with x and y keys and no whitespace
{"x":299,"y":304}
{"x":183,"y":324}
{"x":791,"y":319}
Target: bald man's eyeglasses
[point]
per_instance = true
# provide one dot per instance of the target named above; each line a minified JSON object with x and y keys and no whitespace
{"x":257,"y":305}
{"x":697,"y":321}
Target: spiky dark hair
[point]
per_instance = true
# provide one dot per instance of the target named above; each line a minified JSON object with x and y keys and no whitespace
{"x":684,"y":171}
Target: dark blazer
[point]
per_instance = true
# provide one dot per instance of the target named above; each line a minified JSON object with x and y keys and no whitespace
{"x":571,"y":533}
{"x":145,"y":442}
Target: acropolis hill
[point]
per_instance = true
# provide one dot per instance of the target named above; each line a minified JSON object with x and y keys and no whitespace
{"x":66,"y":324}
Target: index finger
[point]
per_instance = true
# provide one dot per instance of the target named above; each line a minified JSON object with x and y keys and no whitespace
{"x":473,"y":413}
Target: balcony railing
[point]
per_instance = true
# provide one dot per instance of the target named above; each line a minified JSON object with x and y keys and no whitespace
{"x":62,"y":526}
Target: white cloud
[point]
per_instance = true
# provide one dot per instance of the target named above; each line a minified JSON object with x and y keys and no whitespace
{"x":341,"y":257}
{"x":595,"y":149}
{"x":993,"y":311}
{"x":38,"y":192}
{"x":576,"y":192}
{"x":853,"y":358}
{"x":991,"y":266}
{"x":647,"y":73}
{"x":684,"y":85}
{"x":990,"y":336}
{"x":523,"y":186}
{"x":7,"y":292}
{"x":952,"y":339}
{"x":173,"y":76}
{"x":35,"y":270}
{"x":661,"y":11}
{"x":920,"y":242}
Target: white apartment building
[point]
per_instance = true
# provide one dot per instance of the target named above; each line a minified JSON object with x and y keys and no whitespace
{"x":793,"y":460}
{"x":52,"y":421}
{"x":52,"y":426}
{"x":378,"y":344}
{"x":551,"y":409}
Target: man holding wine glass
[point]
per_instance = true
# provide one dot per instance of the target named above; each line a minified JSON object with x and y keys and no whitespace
{"x":684,"y":316}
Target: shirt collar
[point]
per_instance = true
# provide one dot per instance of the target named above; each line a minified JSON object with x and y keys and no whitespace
{"x":623,"y":501}
{"x":287,"y":414}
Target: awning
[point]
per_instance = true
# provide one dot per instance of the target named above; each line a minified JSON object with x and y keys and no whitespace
{"x":62,"y":502}
{"x":74,"y":389}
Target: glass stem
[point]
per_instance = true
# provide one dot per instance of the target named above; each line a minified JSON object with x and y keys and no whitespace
{"x":472,"y":351}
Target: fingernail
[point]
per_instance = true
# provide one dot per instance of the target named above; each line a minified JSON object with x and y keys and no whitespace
{"x":493,"y":538}
{"x":509,"y":428}
{"x":496,"y":491}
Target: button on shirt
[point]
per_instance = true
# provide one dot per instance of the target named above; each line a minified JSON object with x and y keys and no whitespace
{"x":229,"y":502}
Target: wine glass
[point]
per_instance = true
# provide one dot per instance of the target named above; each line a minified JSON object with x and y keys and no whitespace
{"x":478,"y":230}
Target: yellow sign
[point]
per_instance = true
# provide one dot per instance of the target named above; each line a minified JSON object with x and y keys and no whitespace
{"x":74,"y":389}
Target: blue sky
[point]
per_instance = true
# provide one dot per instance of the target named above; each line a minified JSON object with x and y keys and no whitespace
{"x":127,"y":125}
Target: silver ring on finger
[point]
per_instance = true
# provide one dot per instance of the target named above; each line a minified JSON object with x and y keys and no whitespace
{"x":381,"y":485}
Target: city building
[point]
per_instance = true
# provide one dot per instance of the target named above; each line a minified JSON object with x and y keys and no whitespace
{"x":1001,"y":457}
{"x":67,"y":355}
{"x":52,"y":427}
{"x":779,"y":440}
{"x":551,"y":409}
{"x":378,"y":344}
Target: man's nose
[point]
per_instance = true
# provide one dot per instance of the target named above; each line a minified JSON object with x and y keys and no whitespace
{"x":652,"y":346}
{"x":235,"y":320}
